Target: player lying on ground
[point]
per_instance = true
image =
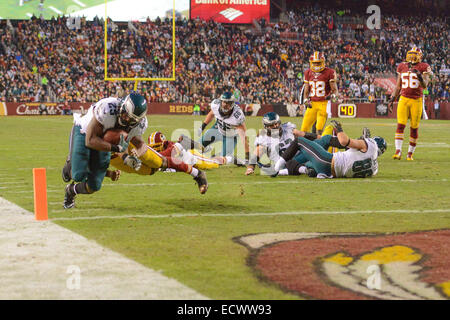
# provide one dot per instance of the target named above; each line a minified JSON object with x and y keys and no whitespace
{"x":173,"y":150}
{"x":359,"y":161}
{"x":89,"y":154}
{"x":300,"y":163}
{"x":276,"y":137}
{"x":230,"y":123}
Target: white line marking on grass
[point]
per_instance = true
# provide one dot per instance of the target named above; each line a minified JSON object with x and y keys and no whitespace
{"x":251,"y":214}
{"x":14,"y":182}
{"x":293,"y":181}
{"x":35,"y":256}
{"x":54,"y":9}
{"x":78,"y":2}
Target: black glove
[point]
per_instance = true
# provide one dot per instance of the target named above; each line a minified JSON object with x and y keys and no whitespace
{"x":308,"y":104}
{"x":419,"y":75}
{"x":337,"y":125}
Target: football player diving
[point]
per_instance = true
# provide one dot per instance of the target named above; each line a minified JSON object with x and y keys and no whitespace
{"x":89,"y":155}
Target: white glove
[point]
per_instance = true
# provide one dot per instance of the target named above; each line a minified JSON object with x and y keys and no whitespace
{"x":281,"y":163}
{"x":123,"y":144}
{"x":132,"y":162}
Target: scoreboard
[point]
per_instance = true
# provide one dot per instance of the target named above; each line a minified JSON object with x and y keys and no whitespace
{"x":347,"y":110}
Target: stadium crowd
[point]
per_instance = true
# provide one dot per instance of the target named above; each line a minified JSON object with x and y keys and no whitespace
{"x":265,"y":65}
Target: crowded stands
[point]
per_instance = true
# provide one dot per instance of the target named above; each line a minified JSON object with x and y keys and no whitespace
{"x":50,"y":60}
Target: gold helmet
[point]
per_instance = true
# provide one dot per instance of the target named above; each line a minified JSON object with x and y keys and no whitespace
{"x":317,"y":61}
{"x":414,"y":55}
{"x":156,"y":141}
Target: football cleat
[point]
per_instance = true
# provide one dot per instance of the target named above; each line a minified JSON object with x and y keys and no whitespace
{"x":201,"y":182}
{"x":69,"y":197}
{"x":409,"y":157}
{"x":67,"y":172}
{"x":311,"y":172}
{"x":397,"y":155}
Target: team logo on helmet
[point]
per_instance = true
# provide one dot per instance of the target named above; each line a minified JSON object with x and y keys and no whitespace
{"x":414,"y":55}
{"x":156,"y":140}
{"x":132,"y":110}
{"x":317,"y":61}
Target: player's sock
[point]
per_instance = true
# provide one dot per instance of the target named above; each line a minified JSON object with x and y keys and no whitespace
{"x":414,"y":134}
{"x":283,"y":172}
{"x":179,"y":165}
{"x":194,"y":172}
{"x":399,"y":136}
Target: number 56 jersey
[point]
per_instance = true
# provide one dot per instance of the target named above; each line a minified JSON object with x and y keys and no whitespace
{"x":356,"y":164}
{"x":227,"y":126}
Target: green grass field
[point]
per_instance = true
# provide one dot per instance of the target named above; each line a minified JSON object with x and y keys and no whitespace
{"x":198,"y":248}
{"x":10,"y":9}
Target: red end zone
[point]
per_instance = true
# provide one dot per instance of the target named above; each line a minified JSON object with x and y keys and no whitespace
{"x":230,"y":11}
{"x":411,"y":265}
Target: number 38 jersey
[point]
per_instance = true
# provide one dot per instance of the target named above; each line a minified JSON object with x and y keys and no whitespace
{"x":411,"y":87}
{"x":275,"y":146}
{"x":106,"y":111}
{"x":227,"y":126}
{"x":356,"y":164}
{"x":319,"y":83}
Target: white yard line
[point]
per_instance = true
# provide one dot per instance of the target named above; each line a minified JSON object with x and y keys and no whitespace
{"x":78,"y":2}
{"x":252,"y":214}
{"x":36,"y":258}
{"x":54,"y":9}
{"x":271,"y":181}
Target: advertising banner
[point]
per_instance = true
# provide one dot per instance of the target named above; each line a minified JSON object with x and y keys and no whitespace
{"x":230,"y":11}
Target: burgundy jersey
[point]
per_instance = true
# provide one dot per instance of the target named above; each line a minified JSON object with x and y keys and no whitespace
{"x":411,"y":87}
{"x":319,"y":83}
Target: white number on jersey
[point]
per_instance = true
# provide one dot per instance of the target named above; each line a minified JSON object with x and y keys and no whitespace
{"x":409,"y":80}
{"x":317,"y":88}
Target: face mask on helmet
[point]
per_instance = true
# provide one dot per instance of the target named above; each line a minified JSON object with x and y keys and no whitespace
{"x":272,"y":124}
{"x":317,"y":62}
{"x":226,"y":104}
{"x":414,"y":56}
{"x":132,"y":110}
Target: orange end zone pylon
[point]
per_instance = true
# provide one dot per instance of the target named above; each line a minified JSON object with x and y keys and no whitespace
{"x":40,"y":194}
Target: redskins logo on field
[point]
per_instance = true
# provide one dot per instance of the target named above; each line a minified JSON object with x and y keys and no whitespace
{"x":412,"y":266}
